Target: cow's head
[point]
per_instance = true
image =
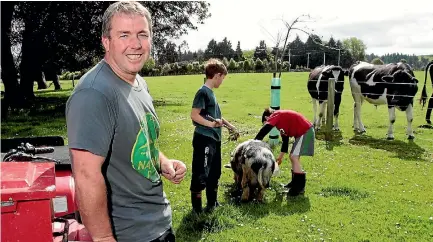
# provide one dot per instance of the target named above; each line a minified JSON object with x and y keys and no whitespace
{"x":402,"y":87}
{"x":405,"y":67}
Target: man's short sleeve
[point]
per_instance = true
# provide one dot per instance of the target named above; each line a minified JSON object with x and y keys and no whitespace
{"x":90,"y":122}
{"x":199,"y":100}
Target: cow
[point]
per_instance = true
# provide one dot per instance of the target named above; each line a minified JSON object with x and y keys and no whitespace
{"x":423,"y":99}
{"x":253,"y":164}
{"x":318,"y":88}
{"x":393,"y":84}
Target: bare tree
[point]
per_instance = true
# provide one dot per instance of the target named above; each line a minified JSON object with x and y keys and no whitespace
{"x":290,"y":27}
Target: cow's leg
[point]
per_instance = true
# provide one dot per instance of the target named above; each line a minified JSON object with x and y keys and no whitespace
{"x":337,"y":103}
{"x":314,"y":111}
{"x":358,"y":125}
{"x":391,"y":111}
{"x":429,"y":110}
{"x":322,"y":110}
{"x":409,"y":117}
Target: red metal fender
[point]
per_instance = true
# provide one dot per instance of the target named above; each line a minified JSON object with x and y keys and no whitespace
{"x":64,"y":202}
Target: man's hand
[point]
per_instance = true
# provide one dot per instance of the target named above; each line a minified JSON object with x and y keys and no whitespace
{"x":173,"y":170}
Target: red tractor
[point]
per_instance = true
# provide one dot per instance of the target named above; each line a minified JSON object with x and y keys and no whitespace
{"x":38,"y":192}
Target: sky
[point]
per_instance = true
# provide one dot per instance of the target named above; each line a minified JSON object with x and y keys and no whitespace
{"x":404,"y":26}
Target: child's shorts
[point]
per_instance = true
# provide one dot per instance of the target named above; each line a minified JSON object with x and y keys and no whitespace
{"x":304,"y":145}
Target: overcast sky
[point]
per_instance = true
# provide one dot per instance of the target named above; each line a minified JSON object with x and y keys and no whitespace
{"x":404,"y":26}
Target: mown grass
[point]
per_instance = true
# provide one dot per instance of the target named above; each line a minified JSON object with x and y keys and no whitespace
{"x":359,"y":187}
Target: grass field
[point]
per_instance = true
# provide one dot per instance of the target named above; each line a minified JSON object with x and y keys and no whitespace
{"x":359,"y":187}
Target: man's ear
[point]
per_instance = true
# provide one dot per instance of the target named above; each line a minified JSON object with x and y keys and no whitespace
{"x":106,"y":43}
{"x":387,"y":78}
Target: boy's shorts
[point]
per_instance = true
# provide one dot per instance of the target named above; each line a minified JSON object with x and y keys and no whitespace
{"x":304,"y":145}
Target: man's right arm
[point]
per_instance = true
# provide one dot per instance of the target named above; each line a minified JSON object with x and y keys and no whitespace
{"x":91,"y":194}
{"x":90,"y":130}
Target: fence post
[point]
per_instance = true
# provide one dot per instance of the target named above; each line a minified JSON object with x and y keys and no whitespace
{"x":275,"y":104}
{"x":330,"y":105}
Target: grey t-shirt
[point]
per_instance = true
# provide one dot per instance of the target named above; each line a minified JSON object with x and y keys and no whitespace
{"x":111,"y":118}
{"x":205,"y":100}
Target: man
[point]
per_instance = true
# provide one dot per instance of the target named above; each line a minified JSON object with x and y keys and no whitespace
{"x":113,"y":135}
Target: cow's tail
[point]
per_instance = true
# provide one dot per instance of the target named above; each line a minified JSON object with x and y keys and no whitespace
{"x":423,"y":98}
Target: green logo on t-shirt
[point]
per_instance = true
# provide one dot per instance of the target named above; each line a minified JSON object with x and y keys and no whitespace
{"x":145,"y":153}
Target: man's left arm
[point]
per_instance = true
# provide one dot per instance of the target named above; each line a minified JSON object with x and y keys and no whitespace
{"x":173,"y":170}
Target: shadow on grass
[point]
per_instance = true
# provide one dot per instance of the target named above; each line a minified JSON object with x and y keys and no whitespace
{"x":233,"y":213}
{"x":353,"y":194}
{"x":336,"y":139}
{"x":54,"y":91}
{"x":45,"y":113}
{"x":426,"y":126}
{"x":193,"y":226}
{"x":276,"y":201}
{"x":403,"y":150}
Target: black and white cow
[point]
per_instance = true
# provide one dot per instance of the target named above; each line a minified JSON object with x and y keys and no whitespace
{"x":424,"y":93}
{"x":392,"y":84}
{"x":318,"y":89}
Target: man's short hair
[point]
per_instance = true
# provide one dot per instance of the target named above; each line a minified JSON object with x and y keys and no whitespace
{"x":124,"y":7}
{"x":214,"y":66}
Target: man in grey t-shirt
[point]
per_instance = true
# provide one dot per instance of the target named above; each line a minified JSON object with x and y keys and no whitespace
{"x":113,"y":133}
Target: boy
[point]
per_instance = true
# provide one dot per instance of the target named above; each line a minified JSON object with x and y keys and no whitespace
{"x":206,"y":163}
{"x":291,"y":124}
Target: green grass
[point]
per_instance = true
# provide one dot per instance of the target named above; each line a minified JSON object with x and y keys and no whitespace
{"x":359,"y":187}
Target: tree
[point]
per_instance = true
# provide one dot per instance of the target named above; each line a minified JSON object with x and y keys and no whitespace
{"x":259,"y":67}
{"x":297,"y":52}
{"x":377,"y":61}
{"x":66,"y":35}
{"x":232,"y":65}
{"x":356,"y":48}
{"x":168,"y":54}
{"x":261,"y":52}
{"x":211,"y":49}
{"x":238,"y":53}
{"x":9,"y":73}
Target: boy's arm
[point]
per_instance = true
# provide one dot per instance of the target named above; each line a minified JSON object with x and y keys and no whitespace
{"x":285,"y":145}
{"x":264,"y":131}
{"x":196,"y":117}
{"x":231,"y":126}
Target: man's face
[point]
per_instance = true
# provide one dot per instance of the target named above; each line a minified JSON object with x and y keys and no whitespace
{"x":129,"y":43}
{"x":219,"y":78}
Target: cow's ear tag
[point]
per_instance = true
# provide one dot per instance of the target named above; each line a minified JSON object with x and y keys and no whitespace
{"x":336,"y":73}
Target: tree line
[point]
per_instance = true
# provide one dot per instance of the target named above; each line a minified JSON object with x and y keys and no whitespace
{"x":40,"y":40}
